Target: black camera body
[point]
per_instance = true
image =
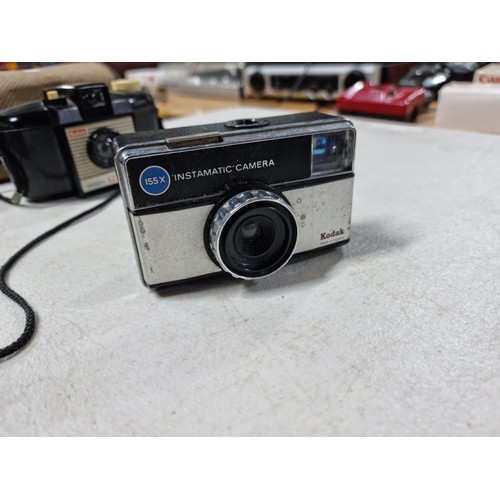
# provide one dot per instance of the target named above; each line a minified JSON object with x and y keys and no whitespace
{"x":61,"y":145}
{"x":240,"y":197}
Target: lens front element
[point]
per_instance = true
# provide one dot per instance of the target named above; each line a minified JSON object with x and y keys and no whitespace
{"x":99,"y":147}
{"x":253,"y":234}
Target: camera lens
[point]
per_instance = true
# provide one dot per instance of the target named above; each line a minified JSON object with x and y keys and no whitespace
{"x":253,"y":234}
{"x":99,"y":147}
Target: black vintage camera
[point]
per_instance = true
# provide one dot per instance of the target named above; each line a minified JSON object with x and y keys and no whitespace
{"x":241,"y":197}
{"x":62,"y":145}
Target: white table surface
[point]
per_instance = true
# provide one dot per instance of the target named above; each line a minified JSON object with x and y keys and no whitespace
{"x":397,"y":333}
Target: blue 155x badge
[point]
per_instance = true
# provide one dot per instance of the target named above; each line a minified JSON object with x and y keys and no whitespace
{"x":154,"y":180}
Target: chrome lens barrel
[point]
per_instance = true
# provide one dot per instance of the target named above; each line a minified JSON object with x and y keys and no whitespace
{"x":253,"y":234}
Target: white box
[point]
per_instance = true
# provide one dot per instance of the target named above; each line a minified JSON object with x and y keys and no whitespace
{"x":488,"y":74}
{"x":468,"y":106}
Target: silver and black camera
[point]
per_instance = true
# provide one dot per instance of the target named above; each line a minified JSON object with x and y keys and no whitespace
{"x":240,"y":197}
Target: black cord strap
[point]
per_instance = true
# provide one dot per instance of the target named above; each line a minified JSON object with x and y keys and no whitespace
{"x":7,"y":200}
{"x":29,"y":328}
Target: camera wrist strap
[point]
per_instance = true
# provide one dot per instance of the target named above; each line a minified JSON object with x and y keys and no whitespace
{"x":11,"y":201}
{"x":29,"y":328}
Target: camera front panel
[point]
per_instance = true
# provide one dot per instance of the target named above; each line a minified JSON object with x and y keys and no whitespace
{"x":90,"y":146}
{"x":171,"y":245}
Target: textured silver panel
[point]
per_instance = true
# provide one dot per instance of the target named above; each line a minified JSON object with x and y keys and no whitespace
{"x":170,"y":245}
{"x":323,"y":213}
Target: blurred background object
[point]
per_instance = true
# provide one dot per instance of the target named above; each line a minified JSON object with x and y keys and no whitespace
{"x":120,"y":68}
{"x":218,"y":80}
{"x":313,"y":81}
{"x":469,"y":106}
{"x":13,"y":66}
{"x":27,"y":85}
{"x":433,"y":76}
{"x":488,"y":74}
{"x":463,"y":71}
{"x":384,"y":100}
{"x":430,"y":76}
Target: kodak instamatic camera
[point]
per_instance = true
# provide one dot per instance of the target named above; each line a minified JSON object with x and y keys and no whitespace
{"x":240,"y":197}
{"x":62,"y":145}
